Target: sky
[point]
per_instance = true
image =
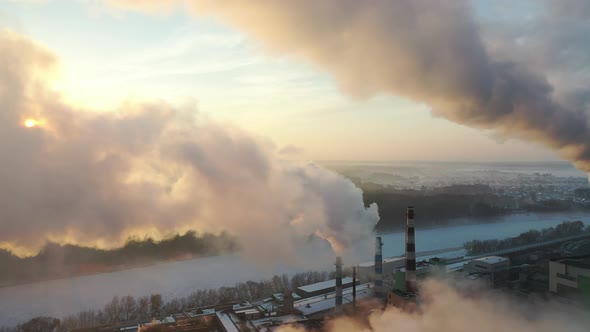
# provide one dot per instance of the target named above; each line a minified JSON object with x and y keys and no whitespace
{"x":109,"y":55}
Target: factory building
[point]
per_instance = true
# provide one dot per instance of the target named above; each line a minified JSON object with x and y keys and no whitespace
{"x":570,"y":277}
{"x":489,"y":264}
{"x":495,"y":268}
{"x":366,"y":270}
{"x":321,"y":288}
{"x":308,"y":306}
{"x":422,"y":270}
{"x":317,"y":306}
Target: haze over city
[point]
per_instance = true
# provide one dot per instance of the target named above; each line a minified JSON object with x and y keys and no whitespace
{"x":144,"y":143}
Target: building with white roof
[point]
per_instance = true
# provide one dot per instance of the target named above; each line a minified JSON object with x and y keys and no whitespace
{"x":321,"y":287}
{"x":366,"y":270}
{"x":488,"y":264}
{"x":321,"y":304}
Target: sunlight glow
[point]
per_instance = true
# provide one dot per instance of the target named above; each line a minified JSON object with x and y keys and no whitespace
{"x":30,"y":123}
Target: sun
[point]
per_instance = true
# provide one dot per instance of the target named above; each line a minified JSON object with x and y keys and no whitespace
{"x":30,"y":123}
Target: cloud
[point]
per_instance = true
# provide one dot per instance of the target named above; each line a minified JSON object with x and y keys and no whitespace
{"x":446,"y":309}
{"x":96,"y":178}
{"x":431,"y":52}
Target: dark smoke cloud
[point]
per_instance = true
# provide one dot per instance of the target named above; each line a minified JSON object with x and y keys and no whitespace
{"x":569,"y":8}
{"x":429,"y":51}
{"x":96,"y":178}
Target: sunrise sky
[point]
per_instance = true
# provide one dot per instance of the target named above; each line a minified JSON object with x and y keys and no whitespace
{"x":108,"y":55}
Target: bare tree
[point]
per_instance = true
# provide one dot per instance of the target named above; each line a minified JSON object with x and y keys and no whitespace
{"x":112,"y":310}
{"x":173,"y":306}
{"x":128,"y":307}
{"x":156,"y":305}
{"x":87,"y":318}
{"x":143,"y":308}
{"x":39,"y":324}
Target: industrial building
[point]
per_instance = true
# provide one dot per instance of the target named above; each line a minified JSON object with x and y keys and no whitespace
{"x":321,"y":287}
{"x":423,"y":269}
{"x":392,"y":281}
{"x":570,"y":277}
{"x":389,"y":265}
{"x":488,"y":264}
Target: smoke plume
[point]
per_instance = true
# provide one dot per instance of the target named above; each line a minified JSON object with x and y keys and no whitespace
{"x":445,"y":309}
{"x":97,"y":178}
{"x":428,"y":51}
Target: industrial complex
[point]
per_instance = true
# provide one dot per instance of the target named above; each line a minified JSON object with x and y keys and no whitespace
{"x":546,"y":269}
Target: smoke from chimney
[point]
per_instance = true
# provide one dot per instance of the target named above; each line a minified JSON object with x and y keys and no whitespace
{"x":98,"y":178}
{"x":427,"y":51}
{"x":447,"y":309}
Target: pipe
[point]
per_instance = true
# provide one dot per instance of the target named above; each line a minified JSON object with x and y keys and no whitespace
{"x":410,"y":252}
{"x":354,"y":287}
{"x":338,"y":284}
{"x":378,"y":269}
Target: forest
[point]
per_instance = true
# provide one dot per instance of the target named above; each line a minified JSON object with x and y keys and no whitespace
{"x":67,"y":260}
{"x":565,"y":229}
{"x":435,"y":207}
{"x":443,"y":206}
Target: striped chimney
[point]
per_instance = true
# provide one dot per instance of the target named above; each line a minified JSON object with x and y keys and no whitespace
{"x":354,"y":287}
{"x":410,"y":252}
{"x":338,"y":284}
{"x":379,"y":269}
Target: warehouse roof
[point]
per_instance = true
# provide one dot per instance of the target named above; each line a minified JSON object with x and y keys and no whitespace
{"x":324,"y":285}
{"x":492,"y":259}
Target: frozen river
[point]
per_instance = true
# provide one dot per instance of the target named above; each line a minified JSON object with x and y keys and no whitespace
{"x":60,"y":297}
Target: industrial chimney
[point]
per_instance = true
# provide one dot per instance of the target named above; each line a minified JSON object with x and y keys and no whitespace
{"x":379,"y":269}
{"x":288,"y":303}
{"x":338,"y":284}
{"x":410,"y":252}
{"x":354,"y":287}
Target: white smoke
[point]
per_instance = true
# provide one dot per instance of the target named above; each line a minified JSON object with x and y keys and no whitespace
{"x":444,"y":309}
{"x":151,"y":169}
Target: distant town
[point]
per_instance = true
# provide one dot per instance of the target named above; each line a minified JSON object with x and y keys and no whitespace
{"x":449,"y":192}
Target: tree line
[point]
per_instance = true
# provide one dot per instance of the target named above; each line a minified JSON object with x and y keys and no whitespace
{"x":66,"y":260}
{"x":127,"y":307}
{"x":565,"y":229}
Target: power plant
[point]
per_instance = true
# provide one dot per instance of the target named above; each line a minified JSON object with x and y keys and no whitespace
{"x":391,"y":281}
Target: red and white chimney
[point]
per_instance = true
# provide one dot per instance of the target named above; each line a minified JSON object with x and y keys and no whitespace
{"x":410,"y":252}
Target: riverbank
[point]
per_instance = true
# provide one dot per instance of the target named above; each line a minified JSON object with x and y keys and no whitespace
{"x":571,"y":216}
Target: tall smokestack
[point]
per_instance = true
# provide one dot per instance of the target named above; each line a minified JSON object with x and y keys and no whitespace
{"x":410,"y":252}
{"x":354,"y":287}
{"x":378,"y":269}
{"x":338,"y":284}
